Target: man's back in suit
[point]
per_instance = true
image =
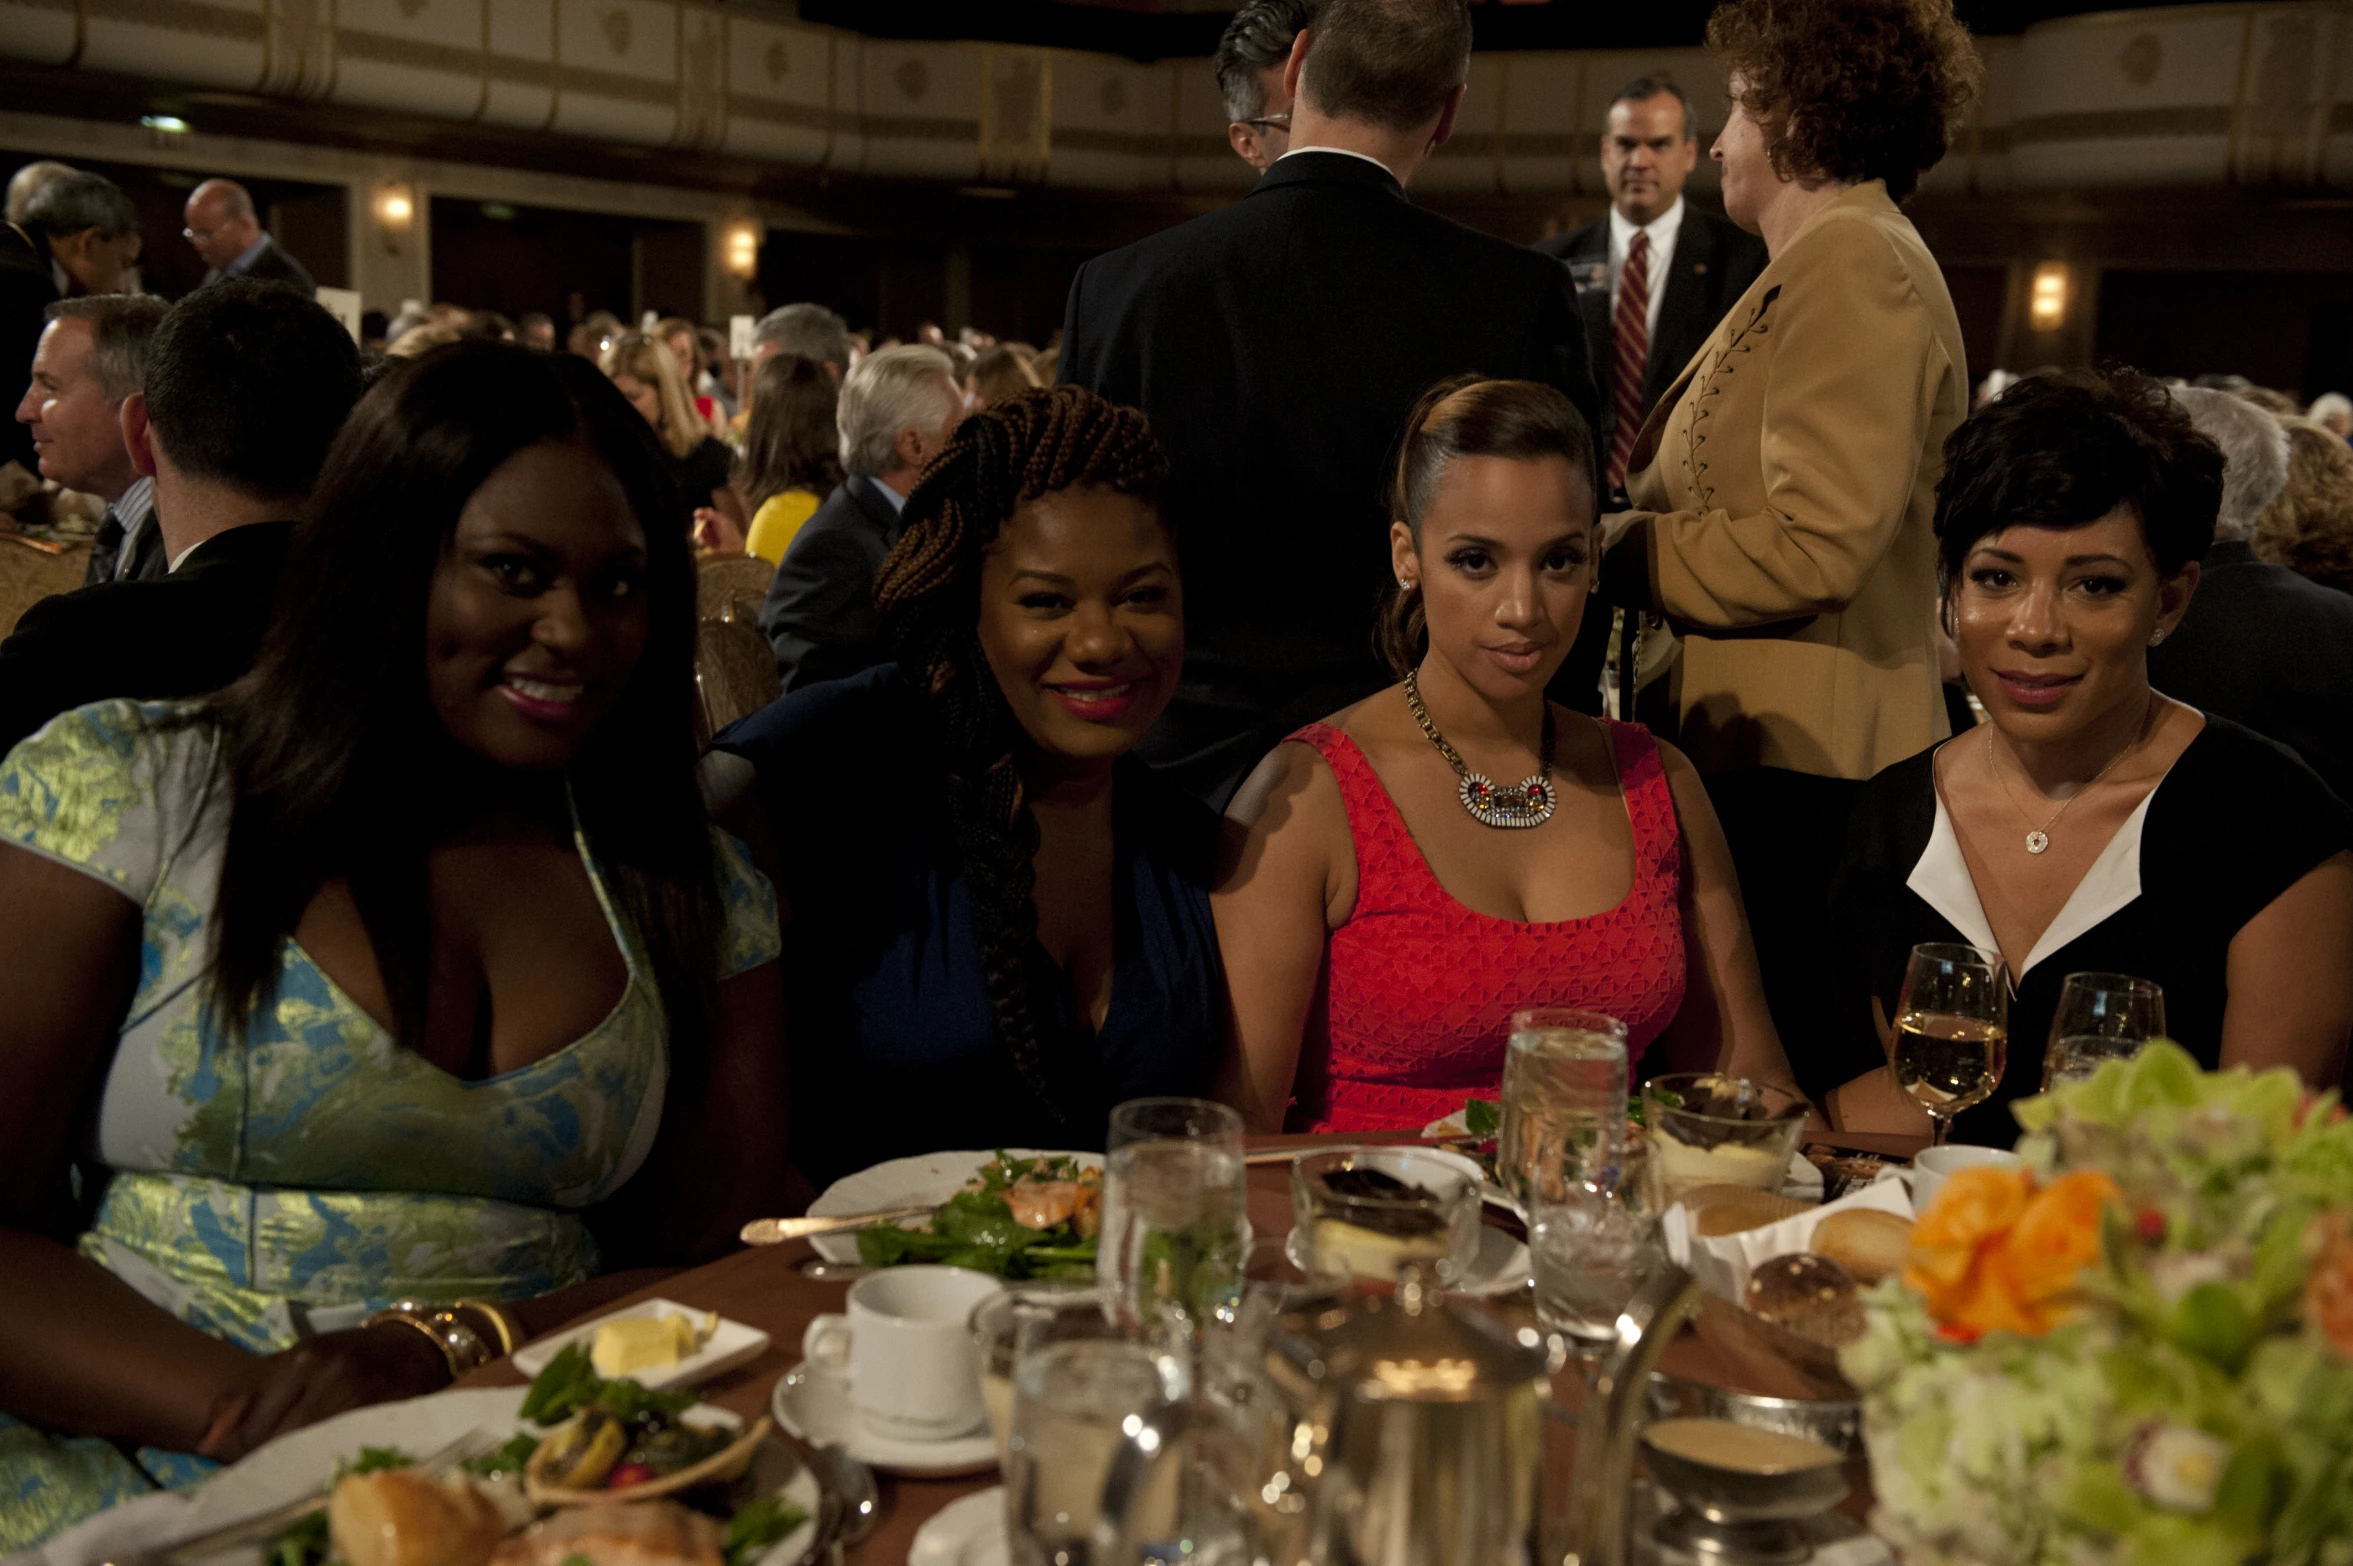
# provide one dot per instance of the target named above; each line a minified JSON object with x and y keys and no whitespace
{"x":1713,"y":263}
{"x":2265,"y":647}
{"x":1277,"y":346}
{"x":274,"y":265}
{"x":188,"y":633}
{"x":819,"y":614}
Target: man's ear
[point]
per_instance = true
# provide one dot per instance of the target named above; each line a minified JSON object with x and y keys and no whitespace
{"x":1296,"y":65}
{"x":1446,"y":117}
{"x":138,"y":440}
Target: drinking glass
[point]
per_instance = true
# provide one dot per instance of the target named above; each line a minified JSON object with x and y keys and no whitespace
{"x":1176,"y":1234}
{"x":1366,"y":1212}
{"x":1564,"y":1104}
{"x":1592,"y":1250}
{"x":1074,"y":1405}
{"x":1952,"y":1030}
{"x":2101,"y":1017}
{"x":1020,"y":1319}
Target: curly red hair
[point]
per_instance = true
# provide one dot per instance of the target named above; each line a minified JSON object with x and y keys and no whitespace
{"x":1850,"y":90}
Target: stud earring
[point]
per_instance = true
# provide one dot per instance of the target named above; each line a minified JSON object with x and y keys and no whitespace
{"x":2156,"y":636}
{"x":1405,"y":584}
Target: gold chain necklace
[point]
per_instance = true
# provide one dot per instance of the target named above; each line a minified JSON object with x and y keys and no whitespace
{"x":1528,"y":805}
{"x":2038,"y":838}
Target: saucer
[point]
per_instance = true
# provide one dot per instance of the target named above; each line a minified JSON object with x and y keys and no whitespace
{"x":814,"y":1405}
{"x":970,"y":1532}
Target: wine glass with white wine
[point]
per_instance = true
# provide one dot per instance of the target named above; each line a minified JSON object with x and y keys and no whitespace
{"x":1952,"y":1030}
{"x":2100,"y":1017}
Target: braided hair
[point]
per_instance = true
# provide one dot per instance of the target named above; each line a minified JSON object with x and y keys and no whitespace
{"x":928,"y":594}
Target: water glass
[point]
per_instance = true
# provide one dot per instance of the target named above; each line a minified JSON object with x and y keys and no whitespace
{"x":1592,"y":1251}
{"x":1175,"y":1234}
{"x":1075,"y":1405}
{"x":1952,"y":1030}
{"x":2101,"y":1017}
{"x":1020,"y":1319}
{"x":1564,"y":1104}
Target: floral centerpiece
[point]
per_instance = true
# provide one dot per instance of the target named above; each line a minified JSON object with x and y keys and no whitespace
{"x":2138,"y":1349}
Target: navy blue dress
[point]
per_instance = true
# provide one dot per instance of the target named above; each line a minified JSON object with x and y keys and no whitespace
{"x":887,"y":1019}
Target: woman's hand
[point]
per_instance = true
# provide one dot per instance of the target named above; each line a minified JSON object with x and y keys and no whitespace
{"x":717,"y":532}
{"x":322,"y":1376}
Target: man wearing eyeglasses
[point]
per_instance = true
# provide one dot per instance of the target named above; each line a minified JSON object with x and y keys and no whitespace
{"x":1250,"y":60}
{"x":227,"y":234}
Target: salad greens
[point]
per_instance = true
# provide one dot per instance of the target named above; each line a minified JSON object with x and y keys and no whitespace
{"x":976,"y":1228}
{"x":570,"y":1383}
{"x":757,"y":1526}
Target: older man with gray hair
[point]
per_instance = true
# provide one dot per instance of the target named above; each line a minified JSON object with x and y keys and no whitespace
{"x":91,"y":357}
{"x":2261,"y":645}
{"x":897,"y":409}
{"x":809,"y":330}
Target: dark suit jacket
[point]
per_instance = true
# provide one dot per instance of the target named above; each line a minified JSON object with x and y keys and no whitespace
{"x":1277,"y":346}
{"x":2265,"y":647}
{"x":191,"y":632}
{"x":820,"y":611}
{"x":26,"y":291}
{"x":1714,"y":263}
{"x":274,"y":265}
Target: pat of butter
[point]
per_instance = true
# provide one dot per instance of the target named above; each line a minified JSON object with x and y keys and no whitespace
{"x":644,"y":1343}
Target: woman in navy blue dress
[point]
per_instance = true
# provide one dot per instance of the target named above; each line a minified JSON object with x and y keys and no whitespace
{"x":997,"y":920}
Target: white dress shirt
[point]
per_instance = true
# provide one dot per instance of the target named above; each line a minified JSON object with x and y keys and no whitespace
{"x":1662,"y":230}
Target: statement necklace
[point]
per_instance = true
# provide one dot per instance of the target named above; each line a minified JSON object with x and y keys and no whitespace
{"x":1528,"y":805}
{"x":2038,"y":838}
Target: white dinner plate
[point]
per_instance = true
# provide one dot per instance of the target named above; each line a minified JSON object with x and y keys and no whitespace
{"x":814,"y":1404}
{"x":969,"y":1532}
{"x":926,"y":1180}
{"x":298,"y":1463}
{"x":731,"y":1344}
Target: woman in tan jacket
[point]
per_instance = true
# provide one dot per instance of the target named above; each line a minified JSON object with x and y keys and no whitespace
{"x":1784,"y":485}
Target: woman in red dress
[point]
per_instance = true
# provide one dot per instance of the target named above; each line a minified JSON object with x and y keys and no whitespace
{"x":1385,"y":908}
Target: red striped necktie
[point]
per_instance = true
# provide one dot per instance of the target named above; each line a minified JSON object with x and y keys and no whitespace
{"x":1632,"y":329}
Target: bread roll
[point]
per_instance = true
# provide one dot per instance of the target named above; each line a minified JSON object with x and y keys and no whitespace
{"x":1718,"y":1210}
{"x":1810,"y":1295}
{"x":399,"y":1517}
{"x":1869,"y":1243}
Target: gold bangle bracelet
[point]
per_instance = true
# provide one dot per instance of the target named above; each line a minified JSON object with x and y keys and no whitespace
{"x":408,"y":1320}
{"x":510,"y":1331}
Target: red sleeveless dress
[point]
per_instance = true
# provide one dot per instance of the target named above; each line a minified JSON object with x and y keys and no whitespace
{"x":1419,"y":990}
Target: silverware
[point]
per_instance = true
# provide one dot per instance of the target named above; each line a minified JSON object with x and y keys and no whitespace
{"x":473,"y":1444}
{"x":824,"y":1271}
{"x":843,"y":1476}
{"x":775,"y":1231}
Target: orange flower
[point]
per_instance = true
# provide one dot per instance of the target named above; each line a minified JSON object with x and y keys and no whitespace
{"x":2328,"y":1295}
{"x":1994,"y":1254}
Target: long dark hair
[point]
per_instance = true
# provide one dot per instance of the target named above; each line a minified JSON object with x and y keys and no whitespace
{"x":338,"y":763}
{"x":928,"y":591}
{"x":1469,"y":416}
{"x":790,"y":441}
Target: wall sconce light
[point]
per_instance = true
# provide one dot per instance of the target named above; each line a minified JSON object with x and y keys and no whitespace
{"x":2046,"y":301}
{"x":742,"y":250}
{"x":396,"y":213}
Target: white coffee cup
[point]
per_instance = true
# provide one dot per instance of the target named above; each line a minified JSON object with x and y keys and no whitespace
{"x":906,"y":1352}
{"x":1935,"y":1165}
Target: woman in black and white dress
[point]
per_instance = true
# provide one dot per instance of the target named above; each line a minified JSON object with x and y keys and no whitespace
{"x":2093,"y":824}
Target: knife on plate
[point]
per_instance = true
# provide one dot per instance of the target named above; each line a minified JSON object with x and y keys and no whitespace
{"x":775,"y":1231}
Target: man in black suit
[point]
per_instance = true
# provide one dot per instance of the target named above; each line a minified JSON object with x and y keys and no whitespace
{"x":1694,"y":264}
{"x":2261,"y":645}
{"x":225,"y":232}
{"x":897,"y":409}
{"x":245,"y":388}
{"x":1279,"y":344}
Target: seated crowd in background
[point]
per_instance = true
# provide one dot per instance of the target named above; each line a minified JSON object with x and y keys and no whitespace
{"x":376,"y":929}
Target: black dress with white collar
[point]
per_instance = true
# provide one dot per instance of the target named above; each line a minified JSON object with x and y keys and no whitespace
{"x":2236,"y":822}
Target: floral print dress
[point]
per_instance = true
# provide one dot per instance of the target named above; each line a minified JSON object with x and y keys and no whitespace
{"x":288,"y":1184}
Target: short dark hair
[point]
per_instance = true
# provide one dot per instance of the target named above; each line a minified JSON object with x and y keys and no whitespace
{"x":74,"y":202}
{"x":247,"y":383}
{"x":1644,"y":88}
{"x":1470,"y":416}
{"x":1259,"y":36}
{"x":1851,"y":89}
{"x":1390,"y":63}
{"x":121,"y":328}
{"x":2064,"y":450}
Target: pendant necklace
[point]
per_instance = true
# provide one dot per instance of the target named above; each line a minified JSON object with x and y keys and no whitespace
{"x":1528,"y":805}
{"x":2038,"y":838}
